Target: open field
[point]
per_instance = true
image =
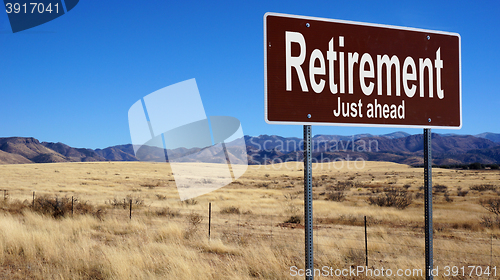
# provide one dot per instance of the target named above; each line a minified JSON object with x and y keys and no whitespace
{"x":254,"y":233}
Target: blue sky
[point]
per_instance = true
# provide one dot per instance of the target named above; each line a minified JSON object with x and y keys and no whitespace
{"x":73,"y":79}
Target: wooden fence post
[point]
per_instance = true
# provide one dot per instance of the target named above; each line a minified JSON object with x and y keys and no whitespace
{"x":209,"y":218}
{"x":131,"y":209}
{"x":366,"y":245}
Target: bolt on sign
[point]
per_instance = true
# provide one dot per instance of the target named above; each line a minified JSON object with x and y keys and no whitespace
{"x":332,"y":72}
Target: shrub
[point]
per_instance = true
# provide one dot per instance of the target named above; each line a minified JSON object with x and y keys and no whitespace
{"x":230,"y":210}
{"x":345,"y":185}
{"x":447,"y":197}
{"x":264,"y":185}
{"x":350,"y":220}
{"x":60,"y":207}
{"x":161,"y":196}
{"x":137,"y":201}
{"x":462,"y":193}
{"x":475,"y":166}
{"x":51,"y":206}
{"x":483,"y":187}
{"x":99,"y":214}
{"x":116,"y":203}
{"x":355,"y":257}
{"x":492,"y":205}
{"x":190,"y":201}
{"x":342,"y":186}
{"x":440,"y":188}
{"x":392,"y":197}
{"x":338,"y":196}
{"x":194,"y":220}
{"x":125,"y":203}
{"x":290,"y":206}
{"x":490,"y":222}
{"x":295,"y":219}
{"x":14,"y":206}
{"x":82,"y":207}
{"x":167,"y":212}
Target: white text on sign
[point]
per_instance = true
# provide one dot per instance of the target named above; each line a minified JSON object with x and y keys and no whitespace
{"x":405,"y":74}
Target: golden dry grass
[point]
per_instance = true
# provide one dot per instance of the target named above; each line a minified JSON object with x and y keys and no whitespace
{"x":164,"y":241}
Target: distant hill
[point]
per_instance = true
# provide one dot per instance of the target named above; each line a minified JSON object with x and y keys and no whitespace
{"x":400,"y":147}
{"x":395,"y":135}
{"x":73,"y":154}
{"x":8,"y":158}
{"x":446,"y":150}
{"x":30,"y":149}
{"x":117,"y":153}
{"x":490,"y":153}
{"x":440,"y":144}
{"x":495,"y":137}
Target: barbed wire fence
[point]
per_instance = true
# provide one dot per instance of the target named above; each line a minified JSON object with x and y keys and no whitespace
{"x":378,"y":245}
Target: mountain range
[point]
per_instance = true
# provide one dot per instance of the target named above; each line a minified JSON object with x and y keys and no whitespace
{"x":400,"y":147}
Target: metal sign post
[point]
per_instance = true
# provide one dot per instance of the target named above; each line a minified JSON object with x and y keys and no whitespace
{"x":428,"y":203}
{"x":308,"y":207}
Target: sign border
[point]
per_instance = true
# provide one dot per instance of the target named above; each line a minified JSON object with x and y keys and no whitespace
{"x":363,"y":24}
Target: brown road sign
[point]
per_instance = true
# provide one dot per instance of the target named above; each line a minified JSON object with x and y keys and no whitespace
{"x":331,"y":72}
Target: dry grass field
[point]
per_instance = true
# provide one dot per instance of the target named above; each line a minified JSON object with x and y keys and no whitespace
{"x":256,"y":230}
